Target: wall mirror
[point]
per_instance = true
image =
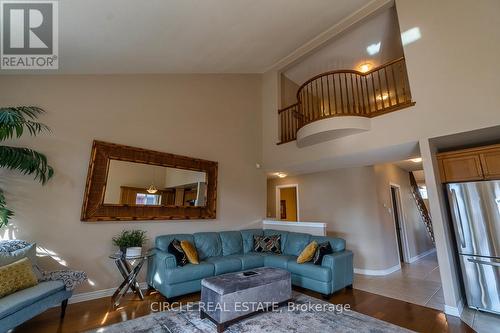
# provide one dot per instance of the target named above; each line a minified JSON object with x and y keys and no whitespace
{"x":126,"y":183}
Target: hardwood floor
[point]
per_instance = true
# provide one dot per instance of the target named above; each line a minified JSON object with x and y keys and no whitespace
{"x":96,"y":313}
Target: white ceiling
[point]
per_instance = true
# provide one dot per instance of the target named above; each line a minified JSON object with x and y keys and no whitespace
{"x":349,"y":50}
{"x":189,"y":36}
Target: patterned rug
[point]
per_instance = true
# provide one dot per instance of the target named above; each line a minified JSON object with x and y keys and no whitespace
{"x":298,"y":318}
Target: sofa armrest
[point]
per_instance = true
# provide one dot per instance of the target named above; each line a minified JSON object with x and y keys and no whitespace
{"x":341,"y":264}
{"x":158,"y":264}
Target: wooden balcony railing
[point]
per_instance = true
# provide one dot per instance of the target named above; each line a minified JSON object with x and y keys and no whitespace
{"x":347,"y":93}
{"x":289,"y":119}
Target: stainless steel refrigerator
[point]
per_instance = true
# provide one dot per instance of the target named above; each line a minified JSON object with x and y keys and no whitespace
{"x":475,"y":208}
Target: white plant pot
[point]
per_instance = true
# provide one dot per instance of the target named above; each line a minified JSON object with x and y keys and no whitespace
{"x":133,"y":252}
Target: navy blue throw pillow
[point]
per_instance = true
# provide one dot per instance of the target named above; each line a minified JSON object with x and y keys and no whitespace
{"x":175,"y":248}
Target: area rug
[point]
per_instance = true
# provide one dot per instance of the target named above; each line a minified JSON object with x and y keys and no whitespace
{"x":299,"y":317}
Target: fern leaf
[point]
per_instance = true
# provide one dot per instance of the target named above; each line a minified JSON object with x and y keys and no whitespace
{"x":14,"y":120}
{"x":27,"y":161}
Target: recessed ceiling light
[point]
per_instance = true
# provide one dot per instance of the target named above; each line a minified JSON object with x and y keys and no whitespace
{"x":416,"y":160}
{"x":281,"y":174}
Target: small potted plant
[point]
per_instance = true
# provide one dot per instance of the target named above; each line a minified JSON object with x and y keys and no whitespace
{"x":130,"y":242}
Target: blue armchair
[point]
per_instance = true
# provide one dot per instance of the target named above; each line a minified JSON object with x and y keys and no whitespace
{"x":25,"y":304}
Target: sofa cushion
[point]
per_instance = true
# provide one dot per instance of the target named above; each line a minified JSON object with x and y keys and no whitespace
{"x":278,"y":261}
{"x":189,"y":272}
{"x":23,"y":298}
{"x":311,"y":271}
{"x":232,"y":242}
{"x":226,"y":264}
{"x":296,"y":243}
{"x":251,"y":260}
{"x":16,"y":276}
{"x":338,"y":244}
{"x":283,"y":234}
{"x":162,"y":242}
{"x":247,"y":237}
{"x":208,"y":244}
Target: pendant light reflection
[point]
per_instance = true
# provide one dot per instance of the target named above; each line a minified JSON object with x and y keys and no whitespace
{"x":152,"y":189}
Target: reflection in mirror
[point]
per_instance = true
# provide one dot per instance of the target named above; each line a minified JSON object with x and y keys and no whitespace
{"x":131,"y":183}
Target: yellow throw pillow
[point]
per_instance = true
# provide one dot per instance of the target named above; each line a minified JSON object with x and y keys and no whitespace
{"x":16,"y":276}
{"x":190,"y":252}
{"x":308,"y":253}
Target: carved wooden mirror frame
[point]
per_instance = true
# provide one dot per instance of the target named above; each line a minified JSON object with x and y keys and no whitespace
{"x":94,"y":209}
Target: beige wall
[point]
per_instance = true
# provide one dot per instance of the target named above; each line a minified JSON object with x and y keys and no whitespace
{"x":214,"y":117}
{"x":353,"y":202}
{"x":288,"y":91}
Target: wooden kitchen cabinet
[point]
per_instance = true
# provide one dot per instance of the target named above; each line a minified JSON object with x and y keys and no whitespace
{"x":490,"y":161}
{"x":481,"y":163}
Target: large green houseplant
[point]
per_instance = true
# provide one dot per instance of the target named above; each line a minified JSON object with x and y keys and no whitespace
{"x":14,"y":122}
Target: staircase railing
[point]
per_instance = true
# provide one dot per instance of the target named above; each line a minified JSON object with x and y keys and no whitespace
{"x":422,"y":208}
{"x":347,"y":93}
{"x":289,"y":120}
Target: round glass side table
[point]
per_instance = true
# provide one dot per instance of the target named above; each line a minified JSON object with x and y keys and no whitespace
{"x":129,"y":268}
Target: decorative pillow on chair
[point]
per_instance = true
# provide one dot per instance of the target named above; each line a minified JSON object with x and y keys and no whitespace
{"x":16,"y":276}
{"x":307,"y":253}
{"x":323,"y":248}
{"x":190,"y":252}
{"x":175,"y":248}
{"x":270,"y":243}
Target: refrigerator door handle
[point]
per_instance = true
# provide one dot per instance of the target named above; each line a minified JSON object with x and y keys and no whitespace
{"x":458,"y":218}
{"x":481,"y":262}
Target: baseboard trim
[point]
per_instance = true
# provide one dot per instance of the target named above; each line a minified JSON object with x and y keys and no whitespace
{"x":377,"y":272}
{"x":88,"y":296}
{"x":421,"y":255}
{"x":454,"y":311}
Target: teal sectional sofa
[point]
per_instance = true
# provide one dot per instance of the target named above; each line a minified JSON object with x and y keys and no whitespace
{"x":232,"y":251}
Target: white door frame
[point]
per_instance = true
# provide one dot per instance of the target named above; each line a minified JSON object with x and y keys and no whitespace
{"x":278,"y":198}
{"x":402,"y":222}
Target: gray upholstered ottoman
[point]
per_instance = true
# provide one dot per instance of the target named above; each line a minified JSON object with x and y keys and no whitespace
{"x":228,"y":297}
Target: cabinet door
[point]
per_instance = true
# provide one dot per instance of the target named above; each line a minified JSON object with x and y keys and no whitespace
{"x":462,"y":168}
{"x":490,"y":161}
